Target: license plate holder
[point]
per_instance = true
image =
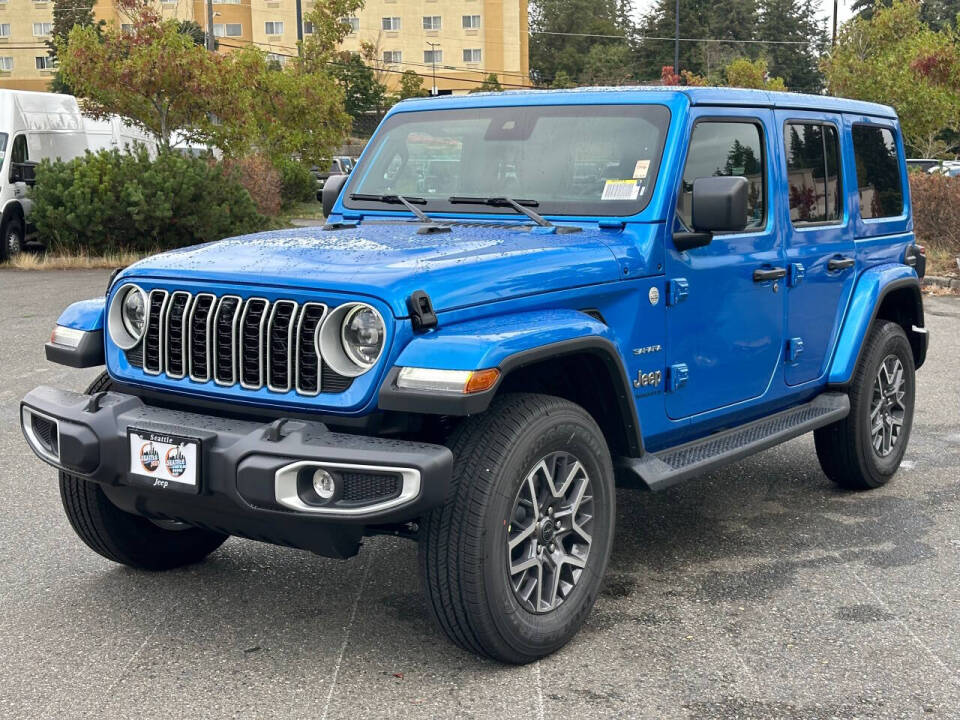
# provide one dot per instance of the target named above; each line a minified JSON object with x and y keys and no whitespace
{"x":163,"y":461}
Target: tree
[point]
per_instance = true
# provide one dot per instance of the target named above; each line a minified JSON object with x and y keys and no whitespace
{"x":196,"y":33}
{"x":411,"y":86}
{"x":67,"y":14}
{"x":491,"y":83}
{"x":155,"y":76}
{"x":896,"y":59}
{"x":744,"y":73}
{"x":794,"y":21}
{"x":362,"y":93}
{"x":330,"y":28}
{"x":562,"y":81}
{"x":560,"y":36}
{"x":936,"y":14}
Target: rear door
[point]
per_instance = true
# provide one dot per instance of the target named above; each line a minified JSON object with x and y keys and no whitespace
{"x":725,"y":328}
{"x":821,"y":259}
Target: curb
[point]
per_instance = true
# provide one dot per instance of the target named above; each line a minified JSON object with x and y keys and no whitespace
{"x":941,"y":282}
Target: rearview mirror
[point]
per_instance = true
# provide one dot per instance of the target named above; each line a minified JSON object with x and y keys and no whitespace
{"x":331,"y":191}
{"x":24,"y":172}
{"x":719,"y":204}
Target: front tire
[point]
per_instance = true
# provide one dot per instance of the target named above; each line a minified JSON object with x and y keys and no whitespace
{"x":124,"y":538}
{"x":513,"y":561}
{"x":864,"y":450}
{"x":14,"y":241}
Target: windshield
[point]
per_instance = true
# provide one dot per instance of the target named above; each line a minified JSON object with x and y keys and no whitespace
{"x":3,"y":147}
{"x":568,"y":160}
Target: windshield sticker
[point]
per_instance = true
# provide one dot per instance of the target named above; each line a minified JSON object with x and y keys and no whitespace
{"x":641,"y":169}
{"x":620,"y":190}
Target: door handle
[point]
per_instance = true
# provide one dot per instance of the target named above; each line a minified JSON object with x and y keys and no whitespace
{"x":768,"y":274}
{"x":840,"y":263}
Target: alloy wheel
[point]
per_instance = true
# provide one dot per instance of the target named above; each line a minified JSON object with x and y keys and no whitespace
{"x":887,"y":408}
{"x":549,"y":532}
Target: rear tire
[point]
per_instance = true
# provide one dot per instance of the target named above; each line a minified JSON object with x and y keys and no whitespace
{"x":864,"y":450}
{"x":531,"y":506}
{"x":124,"y":538}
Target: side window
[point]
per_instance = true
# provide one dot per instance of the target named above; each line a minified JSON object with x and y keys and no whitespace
{"x":18,"y":153}
{"x":726,"y":148}
{"x":878,"y":172}
{"x":813,"y":173}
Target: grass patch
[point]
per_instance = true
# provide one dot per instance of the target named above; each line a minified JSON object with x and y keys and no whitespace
{"x":312,"y":210}
{"x":80,"y":261}
{"x":941,"y":262}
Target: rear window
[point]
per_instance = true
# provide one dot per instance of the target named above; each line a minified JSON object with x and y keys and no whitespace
{"x":813,"y":173}
{"x":878,"y":172}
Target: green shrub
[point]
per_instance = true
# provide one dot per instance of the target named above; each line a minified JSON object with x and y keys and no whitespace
{"x":114,"y":202}
{"x":297,"y":183}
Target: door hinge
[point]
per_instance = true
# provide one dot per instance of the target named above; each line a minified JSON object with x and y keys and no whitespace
{"x":794,"y":349}
{"x":677,"y":376}
{"x":796,"y":274}
{"x":677,"y":291}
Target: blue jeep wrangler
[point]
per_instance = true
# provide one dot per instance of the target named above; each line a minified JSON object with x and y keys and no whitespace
{"x":518,"y":300}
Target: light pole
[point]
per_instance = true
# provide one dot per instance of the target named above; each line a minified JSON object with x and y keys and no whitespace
{"x":433,"y":56}
{"x":211,"y":41}
{"x":676,"y":39}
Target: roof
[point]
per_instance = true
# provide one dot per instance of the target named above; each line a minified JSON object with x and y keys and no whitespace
{"x":696,"y":95}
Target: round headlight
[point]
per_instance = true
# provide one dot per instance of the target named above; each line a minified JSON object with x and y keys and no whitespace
{"x":133,"y":312}
{"x":363,"y":333}
{"x":127,"y":316}
{"x":351,"y":339}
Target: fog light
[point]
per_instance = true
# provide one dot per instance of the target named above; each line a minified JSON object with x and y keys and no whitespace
{"x":323,"y":484}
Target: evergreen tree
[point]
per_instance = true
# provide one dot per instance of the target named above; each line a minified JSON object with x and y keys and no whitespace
{"x":568,"y":52}
{"x":797,"y":21}
{"x":937,"y":14}
{"x":66,"y":14}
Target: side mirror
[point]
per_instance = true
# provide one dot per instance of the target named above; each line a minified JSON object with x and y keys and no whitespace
{"x":719,"y":204}
{"x":331,"y":191}
{"x":24,"y":172}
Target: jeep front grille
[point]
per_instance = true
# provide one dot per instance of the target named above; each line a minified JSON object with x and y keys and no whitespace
{"x":251,"y":342}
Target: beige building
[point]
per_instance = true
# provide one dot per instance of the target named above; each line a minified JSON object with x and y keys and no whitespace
{"x":458,"y":42}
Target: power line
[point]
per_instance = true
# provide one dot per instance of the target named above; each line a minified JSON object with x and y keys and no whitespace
{"x":671,"y":39}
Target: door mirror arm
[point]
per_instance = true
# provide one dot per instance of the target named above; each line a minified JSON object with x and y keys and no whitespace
{"x":684,"y":241}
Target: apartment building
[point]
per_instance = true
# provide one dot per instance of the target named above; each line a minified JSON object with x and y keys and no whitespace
{"x":452,"y":44}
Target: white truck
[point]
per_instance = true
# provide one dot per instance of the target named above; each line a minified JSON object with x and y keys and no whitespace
{"x":35,"y":126}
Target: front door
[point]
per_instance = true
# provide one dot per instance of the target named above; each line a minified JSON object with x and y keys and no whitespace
{"x":820,"y":251}
{"x":724,"y":319}
{"x":19,"y":153}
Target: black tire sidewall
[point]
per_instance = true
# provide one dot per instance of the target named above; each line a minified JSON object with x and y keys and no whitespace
{"x":525,"y":632}
{"x":892,"y":341}
{"x":8,"y":250}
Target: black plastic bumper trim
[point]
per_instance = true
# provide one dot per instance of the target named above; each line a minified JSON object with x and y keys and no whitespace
{"x":89,"y":353}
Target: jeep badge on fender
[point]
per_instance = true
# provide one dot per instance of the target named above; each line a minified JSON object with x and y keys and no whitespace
{"x":513,"y":295}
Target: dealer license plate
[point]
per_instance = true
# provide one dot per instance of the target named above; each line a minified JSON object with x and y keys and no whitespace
{"x":164,"y":462}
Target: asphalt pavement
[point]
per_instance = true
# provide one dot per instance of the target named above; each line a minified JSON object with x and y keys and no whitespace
{"x":759,"y":591}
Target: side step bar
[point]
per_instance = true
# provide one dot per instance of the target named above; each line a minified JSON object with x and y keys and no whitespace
{"x":668,"y":467}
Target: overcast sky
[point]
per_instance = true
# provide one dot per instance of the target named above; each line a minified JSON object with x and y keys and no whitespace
{"x":641,"y":6}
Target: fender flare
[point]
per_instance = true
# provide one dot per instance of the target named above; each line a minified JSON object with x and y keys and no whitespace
{"x":533,"y":337}
{"x":873,"y":285}
{"x":13,"y":207}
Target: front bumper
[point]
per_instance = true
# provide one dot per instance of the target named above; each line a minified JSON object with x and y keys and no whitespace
{"x":245,"y":468}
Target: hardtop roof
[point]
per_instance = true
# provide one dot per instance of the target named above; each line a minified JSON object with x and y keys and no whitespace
{"x":716,"y":96}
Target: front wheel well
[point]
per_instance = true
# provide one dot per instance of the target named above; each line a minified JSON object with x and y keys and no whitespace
{"x":593,"y":381}
{"x":904,"y":306}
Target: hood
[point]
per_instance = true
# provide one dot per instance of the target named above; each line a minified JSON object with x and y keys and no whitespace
{"x":467,"y":266}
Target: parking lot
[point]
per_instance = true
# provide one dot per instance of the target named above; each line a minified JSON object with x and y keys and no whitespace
{"x":758,"y":591}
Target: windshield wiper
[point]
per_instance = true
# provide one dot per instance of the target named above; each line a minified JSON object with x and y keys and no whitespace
{"x":407,"y":202}
{"x":518,"y":205}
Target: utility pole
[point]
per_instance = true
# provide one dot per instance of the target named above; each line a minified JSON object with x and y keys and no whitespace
{"x":676,"y":39}
{"x":299,"y":28}
{"x":211,"y":41}
{"x":433,"y":56}
{"x":834,"y":42}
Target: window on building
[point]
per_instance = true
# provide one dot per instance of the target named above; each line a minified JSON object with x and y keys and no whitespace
{"x":431,"y":22}
{"x":813,"y":173}
{"x":6,"y":63}
{"x":353,"y":22}
{"x":392,"y":57}
{"x":433,"y":56}
{"x":273,"y":28}
{"x":128,"y":27}
{"x":878,"y":172}
{"x":726,"y":149}
{"x":227,"y":29}
{"x":390,"y":24}
{"x":44,"y":62}
{"x":4,"y":30}
{"x":307,"y":27}
{"x":42,"y":28}
{"x":219,"y":2}
{"x":275,"y":59}
{"x":472,"y":55}
{"x":471,"y":22}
